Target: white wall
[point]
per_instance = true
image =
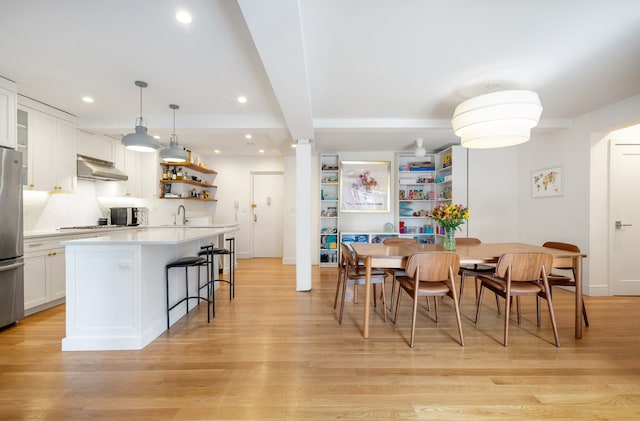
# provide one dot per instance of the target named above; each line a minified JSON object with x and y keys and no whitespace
{"x":493,"y":194}
{"x":234,"y":183}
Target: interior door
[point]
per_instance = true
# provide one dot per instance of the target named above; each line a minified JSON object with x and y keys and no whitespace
{"x":625,"y":218}
{"x":267,"y":214}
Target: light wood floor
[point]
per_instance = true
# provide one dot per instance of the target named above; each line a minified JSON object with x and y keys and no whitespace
{"x":274,"y":354}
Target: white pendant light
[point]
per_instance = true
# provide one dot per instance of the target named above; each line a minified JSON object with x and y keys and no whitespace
{"x":173,"y":153}
{"x":497,"y":119}
{"x":140,"y":141}
{"x":420,"y":151}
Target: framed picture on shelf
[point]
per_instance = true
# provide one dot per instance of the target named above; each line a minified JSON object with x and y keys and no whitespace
{"x":364,"y":186}
{"x":547,"y":182}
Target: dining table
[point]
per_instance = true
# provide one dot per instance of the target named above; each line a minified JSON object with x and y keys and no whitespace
{"x":378,"y":255}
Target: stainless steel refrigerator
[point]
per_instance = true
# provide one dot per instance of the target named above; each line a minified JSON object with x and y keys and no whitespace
{"x":11,"y":238}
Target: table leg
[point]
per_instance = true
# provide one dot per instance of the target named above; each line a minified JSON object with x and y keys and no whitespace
{"x":578,"y":309}
{"x":367,"y":296}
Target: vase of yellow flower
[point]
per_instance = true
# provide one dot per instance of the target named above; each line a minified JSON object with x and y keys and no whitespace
{"x":450,"y":217}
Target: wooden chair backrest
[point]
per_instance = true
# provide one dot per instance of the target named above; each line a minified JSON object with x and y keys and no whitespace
{"x":567,"y":262}
{"x":347,"y":256}
{"x":524,"y":266}
{"x":468,"y":241}
{"x":433,"y":266}
{"x":399,"y":241}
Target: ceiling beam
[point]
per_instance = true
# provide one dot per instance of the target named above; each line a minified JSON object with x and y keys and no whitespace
{"x":276,"y":29}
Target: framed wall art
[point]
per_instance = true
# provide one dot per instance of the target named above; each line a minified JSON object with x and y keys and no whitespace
{"x":547,"y":182}
{"x":364,"y":186}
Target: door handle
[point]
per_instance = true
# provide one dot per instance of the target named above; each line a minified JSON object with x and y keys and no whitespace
{"x":619,"y":225}
{"x":12,"y":266}
{"x":255,"y":218}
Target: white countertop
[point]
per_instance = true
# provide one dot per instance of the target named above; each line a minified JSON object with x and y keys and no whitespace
{"x":108,"y":231}
{"x":168,"y":235}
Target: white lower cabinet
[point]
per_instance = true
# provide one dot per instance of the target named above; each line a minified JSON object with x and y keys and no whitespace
{"x":44,"y":274}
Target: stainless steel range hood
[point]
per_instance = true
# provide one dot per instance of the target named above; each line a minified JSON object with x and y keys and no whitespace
{"x":97,"y":169}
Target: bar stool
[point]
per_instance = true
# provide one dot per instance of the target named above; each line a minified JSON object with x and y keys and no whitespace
{"x":210,"y":251}
{"x":186,"y":263}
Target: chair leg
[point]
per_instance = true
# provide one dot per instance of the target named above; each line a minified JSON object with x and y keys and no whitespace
{"x":413,"y":319}
{"x":456,"y":305}
{"x":507,"y":311}
{"x":186,"y":284}
{"x":461,"y":288}
{"x":435,"y":304}
{"x":335,"y":300}
{"x":584,"y":314}
{"x":344,"y":292}
{"x":395,"y":314}
{"x":551,"y":312}
{"x":384,"y":302}
{"x":479,"y":302}
{"x":375,"y":300}
{"x":167,"y":279}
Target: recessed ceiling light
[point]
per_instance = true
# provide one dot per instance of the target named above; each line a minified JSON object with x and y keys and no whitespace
{"x":248,"y":136}
{"x":261,"y":151}
{"x":293,"y":145}
{"x":216,"y":151}
{"x":183,"y":16}
{"x":87,"y":99}
{"x":155,"y":136}
{"x":242,"y":99}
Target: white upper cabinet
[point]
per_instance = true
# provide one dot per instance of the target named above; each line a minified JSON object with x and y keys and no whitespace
{"x":95,"y":146}
{"x":7,"y":113}
{"x":50,"y":145}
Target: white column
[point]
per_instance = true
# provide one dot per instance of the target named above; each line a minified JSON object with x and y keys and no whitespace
{"x":303,"y":215}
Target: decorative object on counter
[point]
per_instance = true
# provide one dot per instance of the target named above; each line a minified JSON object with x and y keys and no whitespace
{"x":450,"y":217}
{"x":497,"y":119}
{"x":140,"y":141}
{"x":174,"y":153}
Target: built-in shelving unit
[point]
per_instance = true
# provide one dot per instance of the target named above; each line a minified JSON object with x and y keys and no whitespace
{"x":416,"y":190}
{"x":329,"y":216}
{"x":451,"y":181}
{"x":423,"y":183}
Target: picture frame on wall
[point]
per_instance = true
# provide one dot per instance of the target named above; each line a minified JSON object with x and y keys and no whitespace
{"x":547,"y":182}
{"x":365,"y":186}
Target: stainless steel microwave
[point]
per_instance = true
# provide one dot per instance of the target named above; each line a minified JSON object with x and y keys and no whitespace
{"x":124,"y":216}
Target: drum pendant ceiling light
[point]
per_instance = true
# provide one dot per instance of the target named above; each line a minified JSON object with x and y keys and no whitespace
{"x":497,"y":119}
{"x":140,"y":141}
{"x":174,"y":153}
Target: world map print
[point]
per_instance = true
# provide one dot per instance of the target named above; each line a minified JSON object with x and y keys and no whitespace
{"x":546,"y":182}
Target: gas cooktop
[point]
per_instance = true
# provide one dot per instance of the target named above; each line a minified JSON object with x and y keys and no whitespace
{"x":90,"y":227}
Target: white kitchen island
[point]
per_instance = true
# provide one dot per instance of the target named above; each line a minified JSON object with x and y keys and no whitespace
{"x":116,"y":285}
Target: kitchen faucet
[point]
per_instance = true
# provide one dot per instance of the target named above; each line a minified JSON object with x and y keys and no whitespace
{"x":184,"y":214}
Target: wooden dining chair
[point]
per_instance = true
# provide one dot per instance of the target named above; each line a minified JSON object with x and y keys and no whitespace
{"x":473,"y":269}
{"x":565,"y":264}
{"x":520,"y":274}
{"x":350,"y":273}
{"x":430,"y":274}
{"x":399,"y":242}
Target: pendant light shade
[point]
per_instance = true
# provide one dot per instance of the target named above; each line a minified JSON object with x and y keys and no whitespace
{"x":497,"y":119}
{"x":173,"y":153}
{"x":140,"y":141}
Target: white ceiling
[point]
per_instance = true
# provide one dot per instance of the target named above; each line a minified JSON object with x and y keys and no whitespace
{"x":357,"y":74}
